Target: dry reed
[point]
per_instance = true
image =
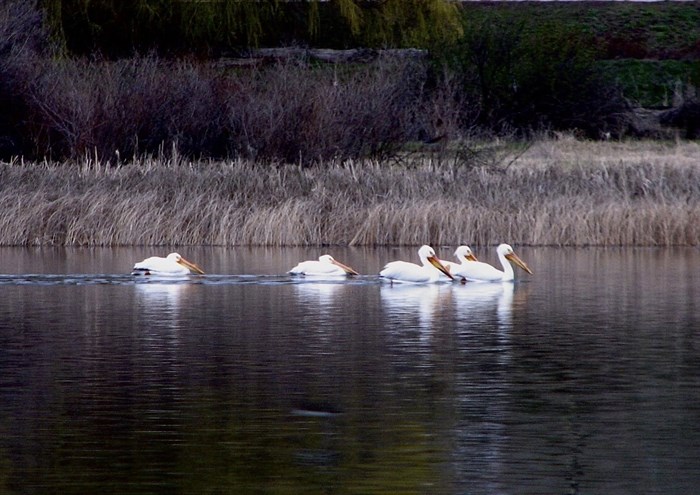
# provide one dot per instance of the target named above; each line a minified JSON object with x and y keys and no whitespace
{"x":558,"y":193}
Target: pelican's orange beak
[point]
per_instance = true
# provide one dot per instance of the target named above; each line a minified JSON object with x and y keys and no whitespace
{"x":436,"y":263}
{"x":471,"y":257}
{"x":347,"y":269}
{"x":191,"y":266}
{"x":514,"y":258}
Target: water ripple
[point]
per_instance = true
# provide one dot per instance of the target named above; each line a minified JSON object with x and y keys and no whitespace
{"x":42,"y":279}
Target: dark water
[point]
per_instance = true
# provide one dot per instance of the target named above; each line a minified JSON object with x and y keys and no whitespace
{"x":584,"y":378}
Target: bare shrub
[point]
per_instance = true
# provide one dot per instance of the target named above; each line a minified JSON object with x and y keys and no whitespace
{"x":133,"y":106}
{"x":686,"y":116}
{"x":290,"y":111}
{"x":22,"y":42}
{"x":294,"y":112}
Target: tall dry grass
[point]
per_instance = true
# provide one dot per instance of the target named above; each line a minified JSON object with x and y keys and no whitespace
{"x":558,"y":193}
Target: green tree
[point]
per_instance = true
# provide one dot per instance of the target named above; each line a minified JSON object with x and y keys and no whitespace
{"x":530,"y":74}
{"x":117,"y":28}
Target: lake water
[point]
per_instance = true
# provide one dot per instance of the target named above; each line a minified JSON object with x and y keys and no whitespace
{"x":583,"y":378}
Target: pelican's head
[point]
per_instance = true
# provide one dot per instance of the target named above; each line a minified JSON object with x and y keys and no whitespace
{"x":466,"y":253}
{"x":177,"y":258}
{"x":427,"y":255}
{"x":507,"y":252}
{"x":425,"y":252}
{"x":327,"y":258}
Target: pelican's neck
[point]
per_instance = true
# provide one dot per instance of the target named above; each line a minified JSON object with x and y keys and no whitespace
{"x":508,"y":273}
{"x":431,"y":269}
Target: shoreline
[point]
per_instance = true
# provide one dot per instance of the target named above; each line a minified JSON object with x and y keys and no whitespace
{"x":557,"y":193}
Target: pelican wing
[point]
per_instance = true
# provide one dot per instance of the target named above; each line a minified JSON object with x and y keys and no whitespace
{"x":477,"y":271}
{"x":403,"y":271}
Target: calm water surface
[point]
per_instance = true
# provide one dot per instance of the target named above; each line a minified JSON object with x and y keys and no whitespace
{"x":584,"y":378}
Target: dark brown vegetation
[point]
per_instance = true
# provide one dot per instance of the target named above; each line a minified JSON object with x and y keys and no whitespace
{"x":287,"y":111}
{"x":508,"y":75}
{"x":291,"y":110}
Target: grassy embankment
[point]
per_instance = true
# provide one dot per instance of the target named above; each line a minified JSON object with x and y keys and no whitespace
{"x":562,"y":192}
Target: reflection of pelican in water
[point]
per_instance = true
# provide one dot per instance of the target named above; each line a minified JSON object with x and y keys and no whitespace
{"x":157,"y":297}
{"x":428,"y":272}
{"x":159,"y":305}
{"x":172,"y":265}
{"x":479,"y":304}
{"x":505,"y":305}
{"x":325,"y":266}
{"x":319,"y":304}
{"x":410,"y":300}
{"x":472,"y":295}
{"x":319,"y":295}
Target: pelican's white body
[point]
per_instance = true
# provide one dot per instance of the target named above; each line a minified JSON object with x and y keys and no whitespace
{"x":476,"y":271}
{"x":172,"y":265}
{"x":465,"y":255}
{"x":426,"y":273}
{"x":325,"y":266}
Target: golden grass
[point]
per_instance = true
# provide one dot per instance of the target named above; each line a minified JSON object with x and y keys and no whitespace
{"x":563,"y":192}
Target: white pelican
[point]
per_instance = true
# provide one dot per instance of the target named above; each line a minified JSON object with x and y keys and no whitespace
{"x":483,"y":272}
{"x":464,"y":254}
{"x":325,"y":266}
{"x":429,"y":272}
{"x":172,"y":265}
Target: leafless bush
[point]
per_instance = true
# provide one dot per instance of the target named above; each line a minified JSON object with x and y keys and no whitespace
{"x":21,"y":34}
{"x":294,"y":112}
{"x":22,"y":41}
{"x":133,"y":106}
{"x":289,"y":112}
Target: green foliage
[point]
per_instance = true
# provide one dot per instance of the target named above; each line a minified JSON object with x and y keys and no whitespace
{"x":658,"y":30}
{"x":117,"y":28}
{"x":554,"y":79}
{"x":531,"y":74}
{"x":653,"y":83}
{"x":425,"y":23}
{"x":637,"y":30}
{"x":566,"y":65}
